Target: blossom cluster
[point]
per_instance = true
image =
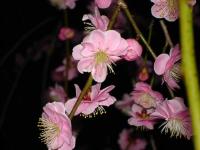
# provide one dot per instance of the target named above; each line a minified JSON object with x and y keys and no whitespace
{"x":100,"y":50}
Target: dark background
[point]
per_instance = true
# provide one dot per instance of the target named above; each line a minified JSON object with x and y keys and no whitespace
{"x":19,"y":122}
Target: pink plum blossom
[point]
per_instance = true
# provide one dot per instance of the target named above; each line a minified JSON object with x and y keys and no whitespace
{"x":125,"y":104}
{"x":126,"y":142}
{"x":63,"y":4}
{"x":103,"y":3}
{"x":144,"y":95}
{"x":56,"y":127}
{"x":98,"y":21}
{"x":66,"y":33}
{"x":145,"y":68}
{"x":177,"y":118}
{"x":141,"y":117}
{"x":167,"y":9}
{"x":134,"y":50}
{"x":169,"y":67}
{"x":92,"y":102}
{"x":57,"y":93}
{"x":99,"y":50}
{"x":59,"y":74}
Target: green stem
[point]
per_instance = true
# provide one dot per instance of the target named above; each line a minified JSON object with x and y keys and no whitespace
{"x":152,"y":141}
{"x":165,"y":47}
{"x":150,"y":31}
{"x":166,"y":33}
{"x":114,"y":16}
{"x":189,"y":67}
{"x":137,"y":30}
{"x":88,"y":84}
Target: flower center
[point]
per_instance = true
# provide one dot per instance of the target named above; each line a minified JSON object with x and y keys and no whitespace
{"x":101,"y":57}
{"x":86,"y":97}
{"x":49,"y":130}
{"x":172,"y":4}
{"x":147,"y":101}
{"x":143,"y":115}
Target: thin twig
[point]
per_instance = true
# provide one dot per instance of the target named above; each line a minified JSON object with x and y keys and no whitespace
{"x":166,"y":33}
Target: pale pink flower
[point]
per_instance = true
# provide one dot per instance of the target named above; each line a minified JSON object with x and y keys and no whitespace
{"x":177,"y":117}
{"x":56,"y":127}
{"x":103,"y":3}
{"x":126,"y":142}
{"x":134,"y":50}
{"x":141,"y":117}
{"x":145,"y":96}
{"x":167,"y":9}
{"x":92,"y":102}
{"x":98,"y":21}
{"x":169,"y":67}
{"x":63,"y":4}
{"x":59,"y":74}
{"x":66,"y":33}
{"x":57,"y":93}
{"x":99,"y":50}
{"x":125,"y":104}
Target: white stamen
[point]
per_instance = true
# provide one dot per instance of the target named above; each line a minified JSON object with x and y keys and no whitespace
{"x":49,"y":131}
{"x":175,"y":127}
{"x":176,"y":72}
{"x":99,"y":110}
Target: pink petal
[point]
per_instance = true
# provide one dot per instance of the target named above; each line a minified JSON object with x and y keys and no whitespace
{"x":122,"y":48}
{"x":136,"y":108}
{"x":176,"y":105}
{"x":160,"y":63}
{"x":56,"y":143}
{"x":77,"y":52}
{"x":172,"y":14}
{"x":97,"y":37}
{"x":142,"y":86}
{"x":88,"y":49}
{"x":90,"y":108}
{"x":85,"y":65}
{"x":99,"y":72}
{"x":103,"y":3}
{"x":95,"y":91}
{"x":158,"y":10}
{"x":109,"y":101}
{"x":112,"y":41}
{"x":70,"y":104}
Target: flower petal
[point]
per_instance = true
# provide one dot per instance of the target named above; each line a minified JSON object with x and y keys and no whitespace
{"x":77,"y":52}
{"x":160,"y":63}
{"x":85,"y":65}
{"x":99,"y":72}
